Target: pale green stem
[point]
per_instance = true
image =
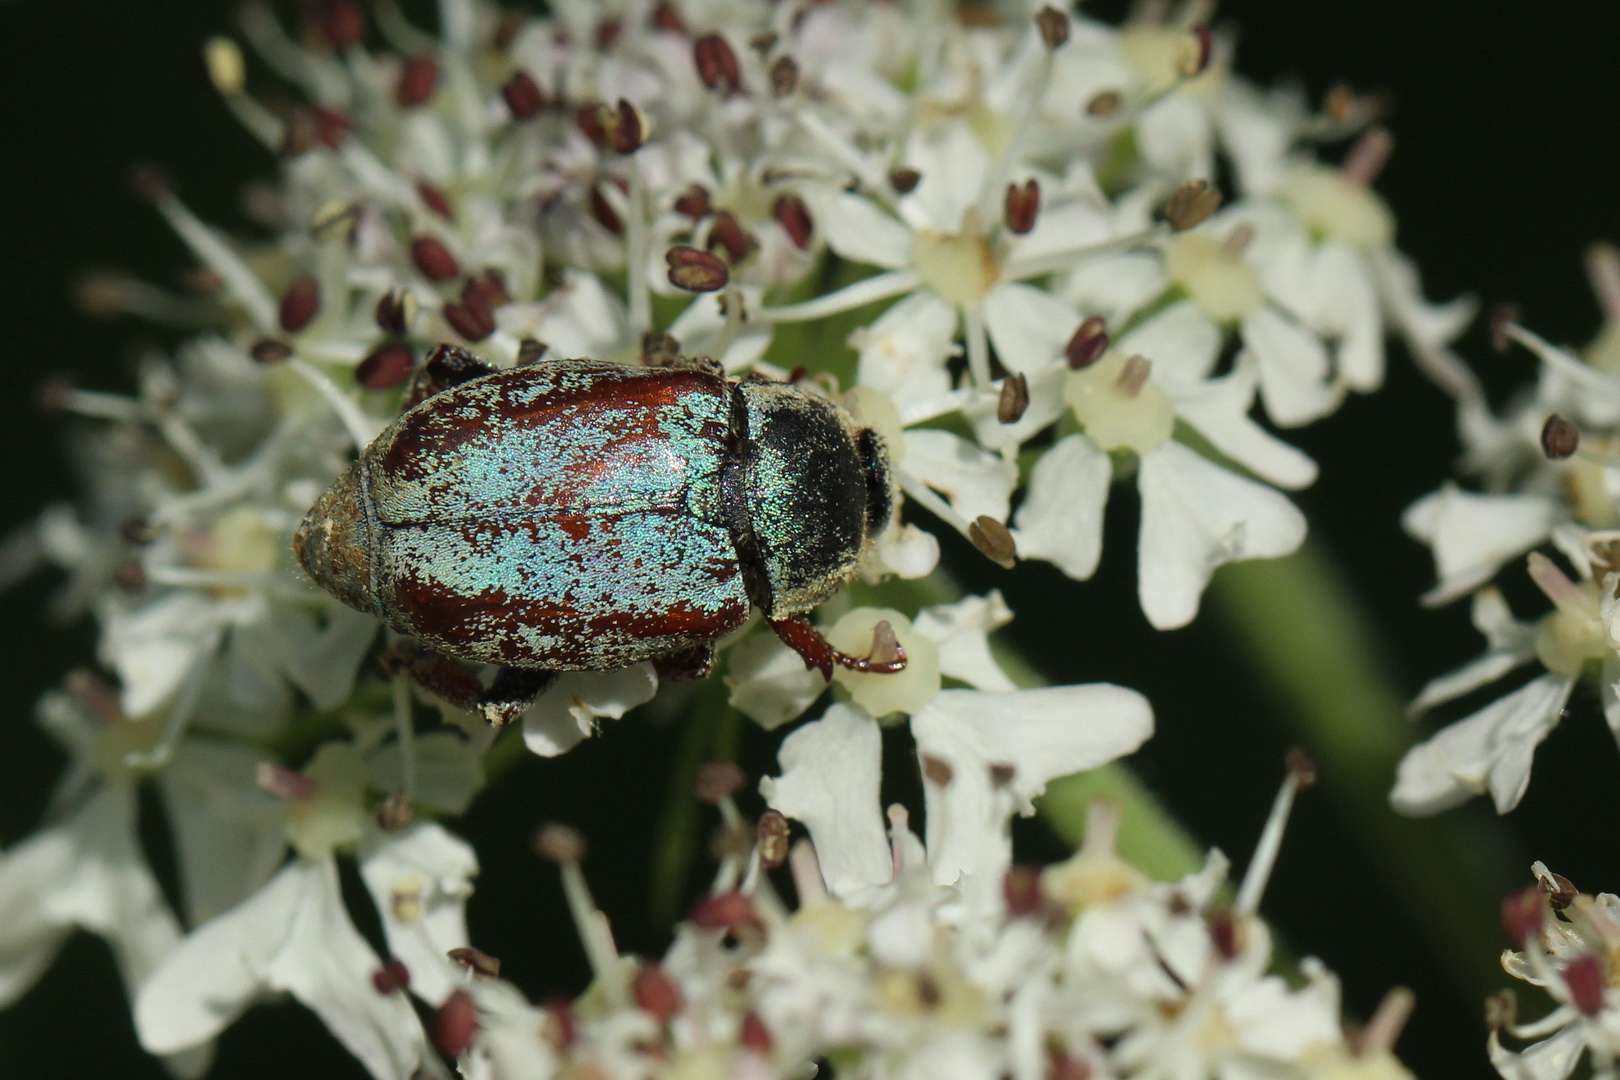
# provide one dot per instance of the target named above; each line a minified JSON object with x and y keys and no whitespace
{"x":1309,"y":639}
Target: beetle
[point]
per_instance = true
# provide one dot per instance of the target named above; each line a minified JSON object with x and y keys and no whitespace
{"x":585,"y":515}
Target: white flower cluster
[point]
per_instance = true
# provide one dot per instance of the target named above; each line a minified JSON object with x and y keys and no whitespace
{"x":1083,"y":969}
{"x":1063,"y":307}
{"x":1567,"y":945}
{"x":1547,"y":473}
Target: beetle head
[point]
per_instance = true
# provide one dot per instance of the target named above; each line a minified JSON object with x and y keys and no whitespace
{"x":334,"y":542}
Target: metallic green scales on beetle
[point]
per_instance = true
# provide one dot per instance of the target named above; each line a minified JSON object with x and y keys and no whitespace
{"x":583,"y":515}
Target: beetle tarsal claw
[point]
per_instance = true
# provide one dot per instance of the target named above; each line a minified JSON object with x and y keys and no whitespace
{"x":886,"y":658}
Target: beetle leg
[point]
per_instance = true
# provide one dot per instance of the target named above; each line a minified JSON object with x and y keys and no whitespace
{"x":446,"y":366}
{"x":818,"y":652}
{"x":506,"y":699}
{"x":512,"y":692}
{"x":693,"y":663}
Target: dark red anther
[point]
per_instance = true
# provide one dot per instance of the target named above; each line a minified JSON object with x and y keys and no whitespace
{"x":473,"y":317}
{"x":435,"y":200}
{"x":753,"y":1035}
{"x":396,"y":311}
{"x":455,"y":1025}
{"x":1002,"y":774}
{"x":607,"y":32}
{"x":476,"y":961}
{"x":727,"y":232}
{"x":904,"y":180}
{"x":433,"y":259}
{"x":269,"y":351}
{"x":655,"y":992}
{"x":1226,"y":933}
{"x":716,"y":781}
{"x":696,"y":271}
{"x":343,"y":24}
{"x":1088,"y":344}
{"x":523,"y":96}
{"x":1021,"y":890}
{"x":1020,"y":206}
{"x":588,"y":118}
{"x":1053,"y":26}
{"x":623,"y":125}
{"x":717,"y":63}
{"x":771,"y":838}
{"x":784,"y":76}
{"x":1062,"y":1066}
{"x":150,"y":182}
{"x":1524,"y":913}
{"x":1559,"y":438}
{"x":491,"y":286}
{"x":603,"y":212}
{"x":1584,"y":977}
{"x":936,"y":770}
{"x":386,"y":366}
{"x":722,"y":911}
{"x":391,"y":977}
{"x":418,"y":78}
{"x":300,"y":304}
{"x":794,"y":217}
{"x":694,"y":202}
{"x":1206,"y":47}
{"x":331,"y":126}
{"x":665,"y":17}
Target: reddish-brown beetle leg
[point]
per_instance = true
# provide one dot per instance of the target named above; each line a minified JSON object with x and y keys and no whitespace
{"x":506,"y":699}
{"x":819,"y":654}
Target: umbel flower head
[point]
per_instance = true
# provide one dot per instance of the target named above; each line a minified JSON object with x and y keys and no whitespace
{"x":993,"y":241}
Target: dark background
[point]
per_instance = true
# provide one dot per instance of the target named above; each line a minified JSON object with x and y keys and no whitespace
{"x":1504,"y":170}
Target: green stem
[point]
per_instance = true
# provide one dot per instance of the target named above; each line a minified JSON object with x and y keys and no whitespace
{"x":1299,"y":620}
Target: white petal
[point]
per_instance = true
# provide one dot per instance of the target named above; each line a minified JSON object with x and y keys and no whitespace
{"x":907,"y":551}
{"x":1553,"y":1058}
{"x":229,"y":833}
{"x":293,"y":935}
{"x":1061,"y":517}
{"x":1511,"y":643}
{"x":769,"y":682}
{"x":449,"y":770}
{"x":903,"y":352}
{"x":1115,"y":288}
{"x":153,"y":648}
{"x":1424,"y":323}
{"x":1219,"y":409}
{"x":1196,"y":516}
{"x":1046,"y":405}
{"x":953,"y":163}
{"x":1473,"y":535}
{"x":111,"y":891}
{"x":567,"y":712}
{"x":962,"y":632}
{"x":1029,"y":327}
{"x":830,"y":775}
{"x":701,"y":329}
{"x":975,"y":481}
{"x":1346,"y":306}
{"x":1293,"y":366}
{"x":1490,"y":750}
{"x":1000,"y":750}
{"x":858,"y":230}
{"x":1181,"y":342}
{"x":30,"y":935}
{"x":420,"y":880}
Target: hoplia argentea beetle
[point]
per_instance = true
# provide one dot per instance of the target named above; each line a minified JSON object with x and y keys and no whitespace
{"x":583,"y":515}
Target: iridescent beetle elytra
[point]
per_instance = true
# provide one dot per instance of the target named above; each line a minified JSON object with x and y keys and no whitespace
{"x":584,"y":515}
